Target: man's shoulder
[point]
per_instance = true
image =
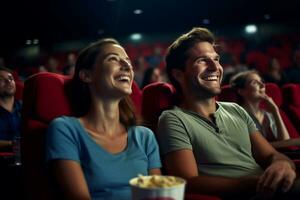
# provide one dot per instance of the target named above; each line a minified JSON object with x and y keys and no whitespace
{"x":229,"y":105}
{"x":175,"y":111}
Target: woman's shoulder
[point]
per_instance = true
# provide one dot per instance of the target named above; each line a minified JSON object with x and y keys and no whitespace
{"x":65,"y":121}
{"x":141,"y":129}
{"x":141,"y":132}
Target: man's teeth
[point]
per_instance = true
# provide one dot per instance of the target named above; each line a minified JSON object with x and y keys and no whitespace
{"x":211,"y":78}
{"x":123,"y":78}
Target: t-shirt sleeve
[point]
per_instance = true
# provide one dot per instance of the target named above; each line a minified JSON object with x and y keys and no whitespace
{"x":152,"y":151}
{"x":172,"y":134}
{"x":248,"y":120}
{"x":61,"y":142}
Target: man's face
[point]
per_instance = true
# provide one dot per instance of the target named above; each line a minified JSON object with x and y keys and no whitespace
{"x":203,"y":73}
{"x":7,"y":84}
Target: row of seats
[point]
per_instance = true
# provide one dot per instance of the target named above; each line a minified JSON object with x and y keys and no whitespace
{"x":46,"y":97}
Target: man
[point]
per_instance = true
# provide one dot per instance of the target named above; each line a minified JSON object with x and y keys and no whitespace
{"x":10,"y":109}
{"x":214,"y":145}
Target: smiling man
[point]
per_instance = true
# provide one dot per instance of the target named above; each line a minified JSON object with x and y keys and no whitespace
{"x":10,"y":110}
{"x":214,"y":145}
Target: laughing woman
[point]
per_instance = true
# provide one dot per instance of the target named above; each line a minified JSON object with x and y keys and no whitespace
{"x":96,"y":153}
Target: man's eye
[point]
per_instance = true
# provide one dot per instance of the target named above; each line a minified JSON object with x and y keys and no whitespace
{"x":200,"y":60}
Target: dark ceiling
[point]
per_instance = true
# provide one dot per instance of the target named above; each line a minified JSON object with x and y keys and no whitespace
{"x":59,"y":20}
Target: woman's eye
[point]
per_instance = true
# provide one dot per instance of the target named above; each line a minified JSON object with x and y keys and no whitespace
{"x":113,"y":58}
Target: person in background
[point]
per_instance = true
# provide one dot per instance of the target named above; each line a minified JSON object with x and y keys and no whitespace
{"x":251,"y":91}
{"x":274,"y":74}
{"x":52,"y":65}
{"x":10,"y":110}
{"x":96,"y":153}
{"x":152,"y":75}
{"x":293,"y":72}
{"x":70,"y":67}
{"x":223,"y":152}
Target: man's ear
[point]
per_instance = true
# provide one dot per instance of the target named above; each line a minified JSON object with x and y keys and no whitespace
{"x":85,"y":75}
{"x":178,"y":75}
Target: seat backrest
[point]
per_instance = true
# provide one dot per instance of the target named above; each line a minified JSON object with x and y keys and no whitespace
{"x":156,"y":97}
{"x":291,"y":103}
{"x":45,"y":98}
{"x":19,"y":90}
{"x":274,"y":91}
{"x":228,"y":94}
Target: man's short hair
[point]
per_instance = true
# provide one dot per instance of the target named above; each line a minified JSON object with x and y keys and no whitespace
{"x":177,"y":53}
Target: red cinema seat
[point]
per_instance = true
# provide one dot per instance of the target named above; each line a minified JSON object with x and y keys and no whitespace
{"x":45,"y":98}
{"x":228,"y":94}
{"x":156,"y":98}
{"x":274,"y":91}
{"x":19,"y":90}
{"x":291,"y":103}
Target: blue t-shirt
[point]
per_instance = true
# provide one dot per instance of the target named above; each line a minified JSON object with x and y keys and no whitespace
{"x":107,"y":175}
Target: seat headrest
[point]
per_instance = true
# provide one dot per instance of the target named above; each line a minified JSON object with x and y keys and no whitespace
{"x":156,"y":98}
{"x":45,"y":96}
{"x":291,"y":93}
{"x":274,"y":91}
{"x":227,"y":94}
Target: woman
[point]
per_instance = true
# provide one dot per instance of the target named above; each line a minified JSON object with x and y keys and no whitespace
{"x":95,"y":155}
{"x":151,"y":75}
{"x":251,"y":90}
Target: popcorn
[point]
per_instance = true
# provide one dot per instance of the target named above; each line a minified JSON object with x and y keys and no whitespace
{"x":157,"y":181}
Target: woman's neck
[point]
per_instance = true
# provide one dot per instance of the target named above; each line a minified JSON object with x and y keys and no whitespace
{"x":254,"y":109}
{"x":103,"y":118}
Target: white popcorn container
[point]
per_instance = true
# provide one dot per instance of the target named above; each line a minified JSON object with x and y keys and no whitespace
{"x":175,"y":192}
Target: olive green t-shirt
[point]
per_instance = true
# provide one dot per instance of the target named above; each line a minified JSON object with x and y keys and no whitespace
{"x":220,"y":149}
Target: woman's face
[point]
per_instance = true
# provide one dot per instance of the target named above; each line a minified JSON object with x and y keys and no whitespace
{"x":156,"y":76}
{"x":112,"y":74}
{"x":254,"y":88}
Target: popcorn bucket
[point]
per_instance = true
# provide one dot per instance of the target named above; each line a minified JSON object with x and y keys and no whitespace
{"x":157,"y":188}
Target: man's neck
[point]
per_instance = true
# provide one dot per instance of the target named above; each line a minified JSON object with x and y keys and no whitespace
{"x":204,"y":107}
{"x":7,"y":103}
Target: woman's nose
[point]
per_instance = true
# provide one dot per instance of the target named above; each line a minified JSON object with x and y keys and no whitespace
{"x":126,"y":64}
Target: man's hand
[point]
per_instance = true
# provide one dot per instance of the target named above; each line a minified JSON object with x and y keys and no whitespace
{"x":279,"y":176}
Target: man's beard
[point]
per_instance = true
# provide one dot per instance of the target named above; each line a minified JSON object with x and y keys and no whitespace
{"x":6,"y":94}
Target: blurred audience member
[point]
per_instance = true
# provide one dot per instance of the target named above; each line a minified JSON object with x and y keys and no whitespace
{"x":70,"y":67}
{"x":234,"y":67}
{"x":274,"y":73}
{"x":10,"y":109}
{"x":139,"y":68}
{"x":155,"y":59}
{"x":293,"y":72}
{"x":251,"y":90}
{"x":52,"y":65}
{"x":152,"y":75}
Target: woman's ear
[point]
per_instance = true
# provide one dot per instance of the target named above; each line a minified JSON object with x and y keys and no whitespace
{"x":85,"y":75}
{"x":178,"y":75}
